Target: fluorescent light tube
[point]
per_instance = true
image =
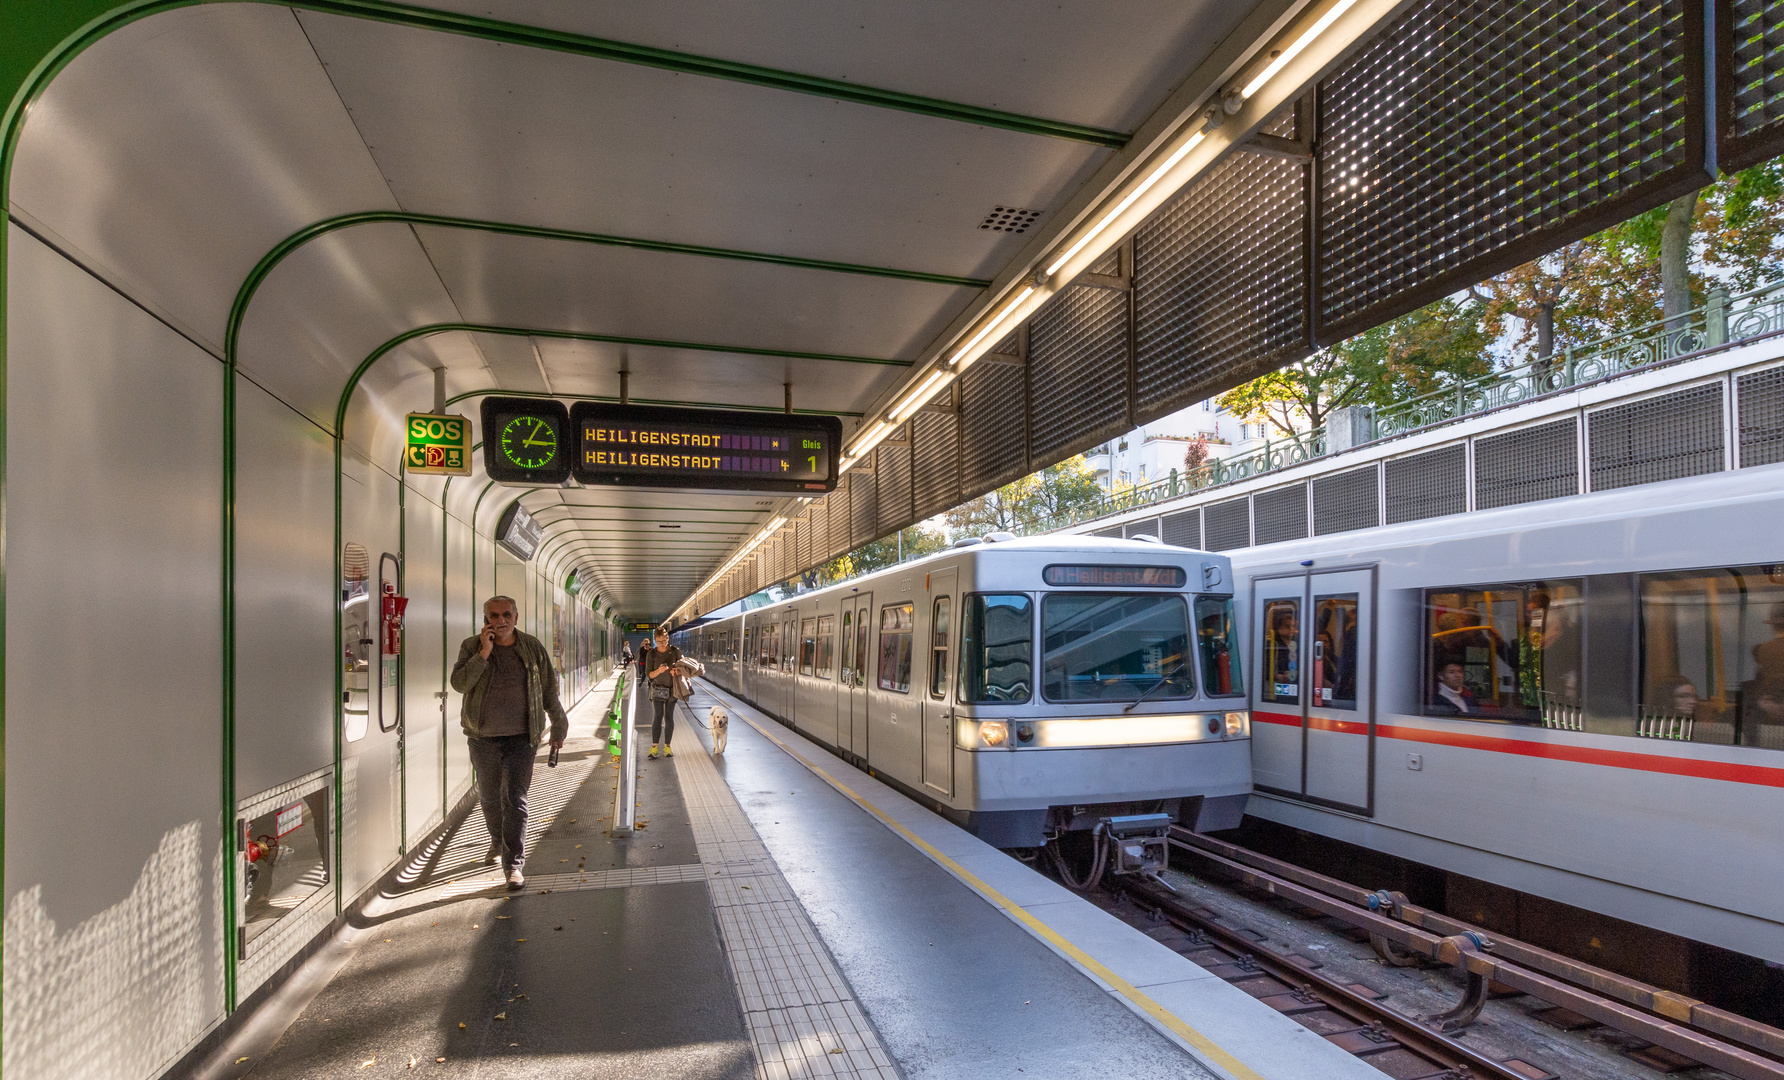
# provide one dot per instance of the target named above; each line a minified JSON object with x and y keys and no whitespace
{"x":1146,"y":185}
{"x":1325,"y":22}
{"x":1027,"y":291}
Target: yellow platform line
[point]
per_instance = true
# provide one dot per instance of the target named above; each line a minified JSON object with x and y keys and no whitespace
{"x":1216,"y":1053}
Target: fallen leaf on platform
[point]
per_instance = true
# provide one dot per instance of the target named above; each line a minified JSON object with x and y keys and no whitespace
{"x":501,"y":1016}
{"x":520,"y":939}
{"x":441,"y":1060}
{"x":461,"y":1025}
{"x":413,"y":1062}
{"x":504,"y":916}
{"x":238,"y":1061}
{"x":557,"y":928}
{"x":369,"y":1064}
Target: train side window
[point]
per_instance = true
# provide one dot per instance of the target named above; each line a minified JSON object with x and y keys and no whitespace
{"x":938,"y":649}
{"x":897,"y":623}
{"x":1510,"y":653}
{"x":826,"y":646}
{"x":848,"y":646}
{"x":1217,"y":638}
{"x":1334,"y":664}
{"x":996,"y":648}
{"x":1282,"y":652}
{"x":808,"y":645}
{"x":1712,"y":656}
{"x":861,"y":649}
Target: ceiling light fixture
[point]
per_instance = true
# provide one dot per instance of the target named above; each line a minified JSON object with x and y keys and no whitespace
{"x":1133,"y":196}
{"x":919,"y":397}
{"x":1009,"y":309}
{"x":1281,"y":61}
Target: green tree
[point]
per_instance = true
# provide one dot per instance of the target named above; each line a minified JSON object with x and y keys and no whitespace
{"x":916,"y":542}
{"x":1029,"y":502}
{"x":1426,"y":350}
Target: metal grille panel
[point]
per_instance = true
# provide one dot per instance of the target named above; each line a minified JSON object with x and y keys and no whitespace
{"x":992,"y":429}
{"x":895,"y":488}
{"x":1220,"y":287}
{"x":1470,"y":136}
{"x":1229,"y":524}
{"x":1658,"y":438}
{"x":1346,"y":501}
{"x":1149,"y":526}
{"x":1527,"y":465}
{"x":1280,"y":514}
{"x":1183,"y":529}
{"x":1762,"y":417}
{"x":1077,"y":359}
{"x":863,"y":488}
{"x":1111,"y":533}
{"x":936,"y":481}
{"x":1426,"y":485}
{"x":1753,"y":92}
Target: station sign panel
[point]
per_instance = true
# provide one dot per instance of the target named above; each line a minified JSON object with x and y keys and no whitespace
{"x":526,"y":440}
{"x":653,"y":446}
{"x":518,"y":532}
{"x":438,"y":445}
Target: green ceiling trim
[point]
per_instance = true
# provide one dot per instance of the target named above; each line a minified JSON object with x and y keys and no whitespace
{"x":733,"y":406}
{"x":714,"y":68}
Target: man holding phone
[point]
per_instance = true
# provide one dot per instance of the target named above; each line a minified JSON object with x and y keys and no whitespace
{"x":510,"y":691}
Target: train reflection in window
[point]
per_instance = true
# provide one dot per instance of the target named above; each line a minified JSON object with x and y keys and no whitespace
{"x":826,"y":646}
{"x":996,"y":648}
{"x":1505,"y":652}
{"x":1114,"y":647}
{"x":1334,"y":664}
{"x":1217,"y":634}
{"x":897,"y":623}
{"x":1712,"y":656}
{"x":1282,"y":652}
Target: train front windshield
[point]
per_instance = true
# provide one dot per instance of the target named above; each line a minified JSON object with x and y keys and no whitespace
{"x":1115,"y":647}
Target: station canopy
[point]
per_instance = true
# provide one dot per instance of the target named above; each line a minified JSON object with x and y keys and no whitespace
{"x":984,"y":235}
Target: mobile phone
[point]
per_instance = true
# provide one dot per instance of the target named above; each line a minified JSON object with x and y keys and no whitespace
{"x":551,"y":762}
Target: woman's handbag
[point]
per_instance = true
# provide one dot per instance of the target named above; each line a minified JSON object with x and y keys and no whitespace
{"x":660,"y":693}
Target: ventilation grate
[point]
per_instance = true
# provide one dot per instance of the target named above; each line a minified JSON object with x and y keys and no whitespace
{"x":1426,"y":485}
{"x":1010,"y":219}
{"x":936,"y":481}
{"x":1220,"y":287}
{"x":1527,"y":465}
{"x":1077,"y":359}
{"x":1347,"y":501}
{"x":1148,"y":526}
{"x":1762,"y":417}
{"x":1468,"y":129}
{"x":1280,"y":514}
{"x":1657,"y":438}
{"x":1183,"y":529}
{"x":1111,"y":533}
{"x":863,"y":503}
{"x":1229,"y":524}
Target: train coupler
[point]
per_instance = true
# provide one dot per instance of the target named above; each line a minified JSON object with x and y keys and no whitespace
{"x":1141,"y":842}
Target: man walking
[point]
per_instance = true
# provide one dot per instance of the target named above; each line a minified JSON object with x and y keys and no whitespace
{"x":510,"y":689}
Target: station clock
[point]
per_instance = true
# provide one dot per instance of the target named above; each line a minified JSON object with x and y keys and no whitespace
{"x":526,"y":440}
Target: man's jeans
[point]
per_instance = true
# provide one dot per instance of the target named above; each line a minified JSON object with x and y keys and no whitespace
{"x":504,"y":767}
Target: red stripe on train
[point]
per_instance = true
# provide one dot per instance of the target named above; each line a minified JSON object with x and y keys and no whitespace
{"x":1761,"y":775}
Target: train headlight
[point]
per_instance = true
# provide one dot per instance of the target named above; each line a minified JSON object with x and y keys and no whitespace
{"x":1236,"y":723}
{"x":994,"y":732}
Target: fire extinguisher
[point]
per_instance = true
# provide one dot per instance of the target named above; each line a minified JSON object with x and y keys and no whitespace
{"x":394,"y":606}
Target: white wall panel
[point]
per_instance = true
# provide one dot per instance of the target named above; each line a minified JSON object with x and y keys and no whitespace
{"x":461,"y":622}
{"x":424,"y":669}
{"x":371,"y":780}
{"x":113,"y":679}
{"x":285,"y":593}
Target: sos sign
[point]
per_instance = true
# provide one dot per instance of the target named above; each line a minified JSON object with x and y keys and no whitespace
{"x":438,"y":445}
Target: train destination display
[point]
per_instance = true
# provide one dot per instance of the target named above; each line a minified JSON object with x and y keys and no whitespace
{"x":526,"y":440}
{"x":651,"y":446}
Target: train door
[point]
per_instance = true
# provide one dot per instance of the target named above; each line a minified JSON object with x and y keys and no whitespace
{"x":789,"y":667}
{"x":1277,"y":740}
{"x":852,"y":713}
{"x":1340,"y":669}
{"x":938,"y":708}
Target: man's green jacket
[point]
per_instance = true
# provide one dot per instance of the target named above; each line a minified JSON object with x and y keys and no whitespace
{"x":470,"y":677}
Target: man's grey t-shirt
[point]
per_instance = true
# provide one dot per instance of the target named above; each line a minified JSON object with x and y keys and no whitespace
{"x":505,"y":702}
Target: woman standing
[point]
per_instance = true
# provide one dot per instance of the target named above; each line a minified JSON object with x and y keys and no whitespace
{"x":659,"y":668}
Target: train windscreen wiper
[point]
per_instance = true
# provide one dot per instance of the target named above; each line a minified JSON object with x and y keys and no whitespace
{"x":1176,"y":671}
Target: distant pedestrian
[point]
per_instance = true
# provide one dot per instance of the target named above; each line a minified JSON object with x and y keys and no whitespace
{"x":625,"y":653}
{"x":659,"y":663}
{"x":510,"y":691}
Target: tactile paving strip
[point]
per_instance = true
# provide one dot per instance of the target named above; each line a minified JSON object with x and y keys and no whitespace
{"x":802,"y":1015}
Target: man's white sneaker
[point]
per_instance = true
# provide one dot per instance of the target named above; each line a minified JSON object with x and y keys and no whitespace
{"x":516,"y":880}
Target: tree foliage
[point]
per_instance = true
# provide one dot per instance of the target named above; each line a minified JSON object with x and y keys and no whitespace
{"x":1028,"y":502}
{"x":917,"y":542}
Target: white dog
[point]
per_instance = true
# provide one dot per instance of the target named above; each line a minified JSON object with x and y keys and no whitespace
{"x":718,"y":723}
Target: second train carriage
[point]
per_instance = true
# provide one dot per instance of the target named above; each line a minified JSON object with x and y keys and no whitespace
{"x":1026,"y":689}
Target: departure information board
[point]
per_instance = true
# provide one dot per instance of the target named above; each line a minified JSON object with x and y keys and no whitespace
{"x":650,"y":446}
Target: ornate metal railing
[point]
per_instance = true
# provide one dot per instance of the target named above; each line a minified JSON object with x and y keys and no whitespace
{"x":1723,"y":320}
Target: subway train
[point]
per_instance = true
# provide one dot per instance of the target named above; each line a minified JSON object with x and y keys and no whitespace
{"x":1045,"y":690}
{"x":1580,"y":698}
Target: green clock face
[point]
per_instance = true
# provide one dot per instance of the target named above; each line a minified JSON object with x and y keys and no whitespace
{"x":529,"y":442}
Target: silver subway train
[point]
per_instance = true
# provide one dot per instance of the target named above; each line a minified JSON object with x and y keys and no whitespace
{"x":1027,"y":689}
{"x":1580,"y":699}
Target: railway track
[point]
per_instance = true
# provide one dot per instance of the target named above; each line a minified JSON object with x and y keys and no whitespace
{"x":1684,"y":1032}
